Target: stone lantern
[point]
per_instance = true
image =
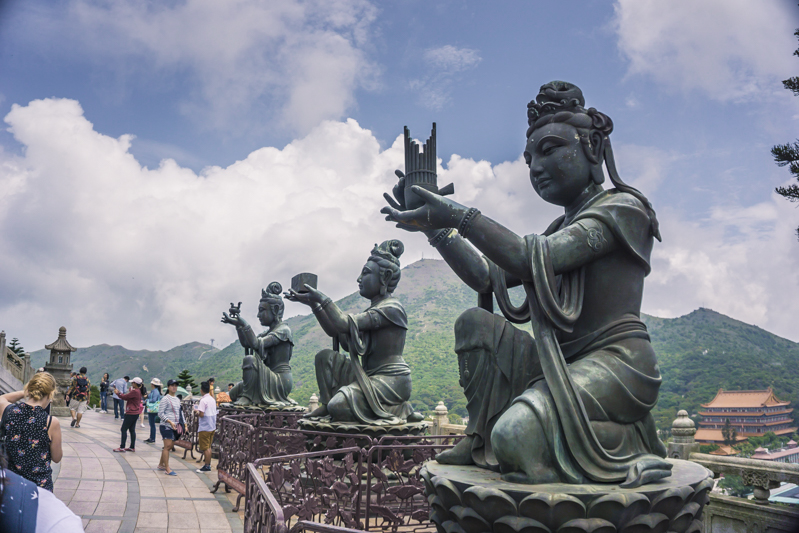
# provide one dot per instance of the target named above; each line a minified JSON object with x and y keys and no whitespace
{"x":682,"y":443}
{"x":59,"y":366}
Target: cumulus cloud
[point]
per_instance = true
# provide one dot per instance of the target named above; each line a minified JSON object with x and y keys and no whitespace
{"x":442,"y":68}
{"x":727,"y":49}
{"x":297,"y":62}
{"x":149,"y":258}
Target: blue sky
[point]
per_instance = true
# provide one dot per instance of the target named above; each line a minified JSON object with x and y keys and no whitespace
{"x":161,"y":159}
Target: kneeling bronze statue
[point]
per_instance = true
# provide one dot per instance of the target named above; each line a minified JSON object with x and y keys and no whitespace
{"x":266,"y":372}
{"x":570,"y":403}
{"x":372,"y":385}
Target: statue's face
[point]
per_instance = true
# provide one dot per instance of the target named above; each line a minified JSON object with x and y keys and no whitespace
{"x":265,"y":314}
{"x":369,"y":281}
{"x":559,"y":169}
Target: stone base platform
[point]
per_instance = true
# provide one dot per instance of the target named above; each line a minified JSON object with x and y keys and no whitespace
{"x":324,"y":424}
{"x":468,"y":499}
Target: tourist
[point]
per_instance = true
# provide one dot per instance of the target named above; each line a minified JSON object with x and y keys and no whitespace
{"x":206,"y":410}
{"x":153,"y":401}
{"x":171,"y":417}
{"x":122,"y":385}
{"x":66,"y":392}
{"x":24,"y":507}
{"x":33,"y":438}
{"x":78,"y":394}
{"x":133,"y":409}
{"x":211,"y":382}
{"x":104,"y":393}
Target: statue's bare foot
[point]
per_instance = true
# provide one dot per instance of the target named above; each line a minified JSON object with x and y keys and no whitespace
{"x":460,"y":454}
{"x":518,"y":477}
{"x":319,"y":411}
{"x":415,"y":417}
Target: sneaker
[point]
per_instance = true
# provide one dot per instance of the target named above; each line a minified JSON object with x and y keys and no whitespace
{"x":205,"y":468}
{"x":120,"y":450}
{"x":130,"y":449}
{"x":73,"y":423}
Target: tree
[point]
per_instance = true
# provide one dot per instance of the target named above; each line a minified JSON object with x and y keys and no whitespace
{"x":734,"y":486}
{"x":185,"y":379}
{"x":729,"y":433}
{"x":788,"y":154}
{"x":94,"y":397}
{"x":15,"y":347}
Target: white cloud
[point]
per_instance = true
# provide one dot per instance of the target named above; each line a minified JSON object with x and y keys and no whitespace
{"x":150,"y":258}
{"x":728,"y":49}
{"x":443,"y":66}
{"x":294,"y":62}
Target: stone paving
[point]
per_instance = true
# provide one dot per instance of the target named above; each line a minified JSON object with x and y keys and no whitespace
{"x":126,"y":493}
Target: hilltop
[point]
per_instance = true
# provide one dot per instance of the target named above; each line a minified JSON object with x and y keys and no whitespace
{"x":698,"y":353}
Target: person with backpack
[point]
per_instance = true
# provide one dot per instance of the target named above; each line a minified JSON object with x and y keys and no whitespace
{"x":79,"y":396}
{"x":151,"y":407}
{"x":133,"y":408}
{"x":32,"y":438}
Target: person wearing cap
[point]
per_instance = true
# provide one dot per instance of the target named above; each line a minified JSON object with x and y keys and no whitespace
{"x":170,"y":414}
{"x":119,"y":384}
{"x":133,"y":408}
{"x":152,"y":403}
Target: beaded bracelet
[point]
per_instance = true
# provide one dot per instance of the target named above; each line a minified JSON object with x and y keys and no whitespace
{"x":439,"y":237}
{"x":467,"y":220}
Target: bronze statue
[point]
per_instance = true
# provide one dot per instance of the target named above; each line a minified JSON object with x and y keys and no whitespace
{"x":373,"y":385}
{"x":572,"y":402}
{"x":266,"y":378}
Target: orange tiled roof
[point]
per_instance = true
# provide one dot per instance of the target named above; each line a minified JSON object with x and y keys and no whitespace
{"x":750,"y":414}
{"x":724,"y":450}
{"x":713,"y":435}
{"x":744,"y":398}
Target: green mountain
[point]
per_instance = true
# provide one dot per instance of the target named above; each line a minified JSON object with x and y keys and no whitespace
{"x":698,"y":353}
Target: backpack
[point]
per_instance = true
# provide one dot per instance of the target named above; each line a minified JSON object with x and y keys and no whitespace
{"x":152,"y":405}
{"x":81,"y":386}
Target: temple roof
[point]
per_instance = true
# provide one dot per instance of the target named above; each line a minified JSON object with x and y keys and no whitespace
{"x":61,"y":344}
{"x":713,"y":435}
{"x":744,"y":399}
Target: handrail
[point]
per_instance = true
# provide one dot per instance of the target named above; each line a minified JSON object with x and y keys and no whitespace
{"x":274,"y":506}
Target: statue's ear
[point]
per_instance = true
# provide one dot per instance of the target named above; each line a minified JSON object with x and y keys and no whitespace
{"x":597,"y":156}
{"x":385,"y":276}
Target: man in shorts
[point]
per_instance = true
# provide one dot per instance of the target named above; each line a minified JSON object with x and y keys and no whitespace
{"x":206,"y":410}
{"x":79,"y":392}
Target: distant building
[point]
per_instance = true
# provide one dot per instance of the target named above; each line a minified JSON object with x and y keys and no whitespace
{"x":750,"y":412}
{"x":789,"y":454}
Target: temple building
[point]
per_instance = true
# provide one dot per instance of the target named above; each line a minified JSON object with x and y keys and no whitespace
{"x":750,"y":412}
{"x":789,"y":454}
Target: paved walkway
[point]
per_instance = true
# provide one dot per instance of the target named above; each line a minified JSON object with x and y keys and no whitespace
{"x":125,"y":493}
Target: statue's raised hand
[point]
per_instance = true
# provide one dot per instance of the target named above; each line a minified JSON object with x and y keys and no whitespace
{"x":436,"y":213}
{"x":233,"y":319}
{"x":310,"y":297}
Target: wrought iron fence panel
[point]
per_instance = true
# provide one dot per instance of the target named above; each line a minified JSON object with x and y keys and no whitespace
{"x":323,"y":487}
{"x":262,"y":514}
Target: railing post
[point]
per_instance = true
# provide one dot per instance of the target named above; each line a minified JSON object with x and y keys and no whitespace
{"x":313,"y":403}
{"x":440,"y":418}
{"x":682,"y":443}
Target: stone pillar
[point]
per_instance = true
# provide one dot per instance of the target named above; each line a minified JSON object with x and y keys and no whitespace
{"x":313,"y":403}
{"x":682,"y":442}
{"x":440,"y":418}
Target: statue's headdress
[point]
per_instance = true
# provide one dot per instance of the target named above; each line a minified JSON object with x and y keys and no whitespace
{"x":271,"y":295}
{"x":560,"y":101}
{"x":389,"y":250}
{"x":387,"y":255}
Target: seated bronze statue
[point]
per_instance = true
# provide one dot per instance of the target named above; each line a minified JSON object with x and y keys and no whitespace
{"x":266,"y":377}
{"x":373,"y":385}
{"x":570,"y":403}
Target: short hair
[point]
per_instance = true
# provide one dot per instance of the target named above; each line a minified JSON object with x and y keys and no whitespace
{"x":205,"y":387}
{"x":212,"y":379}
{"x":127,"y":378}
{"x":230,"y":385}
{"x":83,"y":370}
{"x":40,"y":386}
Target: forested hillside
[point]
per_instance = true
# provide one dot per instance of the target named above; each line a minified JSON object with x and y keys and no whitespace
{"x":699,"y":352}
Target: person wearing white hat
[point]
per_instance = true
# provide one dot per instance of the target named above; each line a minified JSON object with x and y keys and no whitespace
{"x":151,"y":406}
{"x":133,"y":408}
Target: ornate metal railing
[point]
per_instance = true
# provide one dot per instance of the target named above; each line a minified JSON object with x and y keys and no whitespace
{"x":263,"y":513}
{"x":191,"y":438}
{"x":376,"y":487}
{"x":236,"y":449}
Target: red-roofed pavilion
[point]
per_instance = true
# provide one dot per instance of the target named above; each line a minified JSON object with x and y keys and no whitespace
{"x":750,"y":412}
